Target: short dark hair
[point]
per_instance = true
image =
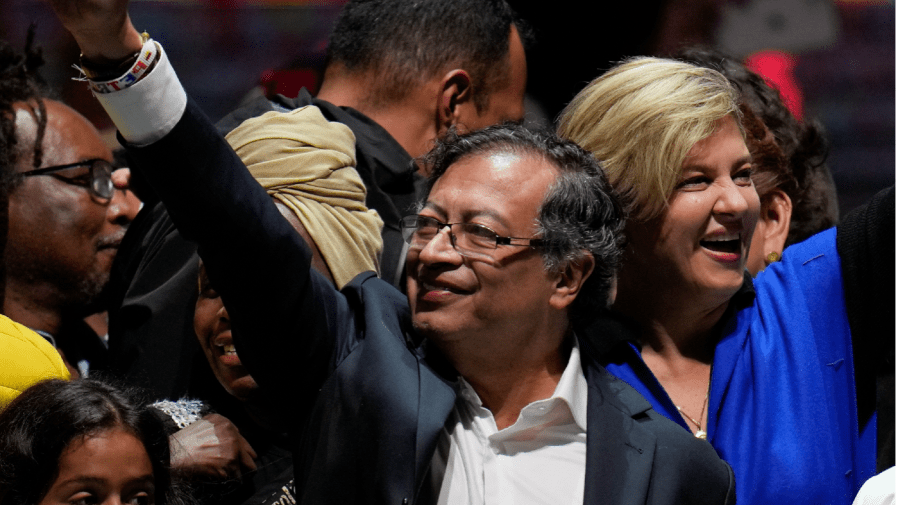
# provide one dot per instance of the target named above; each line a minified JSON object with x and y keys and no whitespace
{"x":580,"y":214}
{"x":408,"y":41}
{"x":814,"y":202}
{"x":39,"y":424}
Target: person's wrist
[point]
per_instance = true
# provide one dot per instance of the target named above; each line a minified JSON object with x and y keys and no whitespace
{"x":104,"y":50}
{"x":108,"y":69}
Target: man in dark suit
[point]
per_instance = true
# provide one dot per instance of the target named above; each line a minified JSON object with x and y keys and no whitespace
{"x":474,"y":388}
{"x":400,"y":73}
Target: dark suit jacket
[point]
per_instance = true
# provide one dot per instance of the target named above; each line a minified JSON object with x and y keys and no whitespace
{"x":370,"y":401}
{"x":152,"y":286}
{"x":150,"y":298}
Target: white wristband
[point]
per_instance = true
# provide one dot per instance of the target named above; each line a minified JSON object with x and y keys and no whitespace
{"x":148,"y":110}
{"x":144,"y":62}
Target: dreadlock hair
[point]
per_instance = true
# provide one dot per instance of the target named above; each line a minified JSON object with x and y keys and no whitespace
{"x":18,"y":84}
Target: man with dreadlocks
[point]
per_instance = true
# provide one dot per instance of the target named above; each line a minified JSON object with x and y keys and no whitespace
{"x":66,"y":216}
{"x":25,"y":357}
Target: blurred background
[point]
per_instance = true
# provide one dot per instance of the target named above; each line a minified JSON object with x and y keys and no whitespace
{"x":834,"y":60}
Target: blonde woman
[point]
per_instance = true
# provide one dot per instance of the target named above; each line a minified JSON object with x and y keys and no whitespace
{"x":763,"y":370}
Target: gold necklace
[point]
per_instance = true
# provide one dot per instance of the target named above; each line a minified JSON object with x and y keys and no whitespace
{"x":702,"y":434}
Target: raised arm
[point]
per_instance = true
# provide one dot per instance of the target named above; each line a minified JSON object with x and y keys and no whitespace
{"x":259,"y":264}
{"x":257,"y":261}
{"x":102,"y":28}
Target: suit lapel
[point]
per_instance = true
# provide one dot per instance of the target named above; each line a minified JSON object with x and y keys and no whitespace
{"x":619,"y":452}
{"x":436,"y":396}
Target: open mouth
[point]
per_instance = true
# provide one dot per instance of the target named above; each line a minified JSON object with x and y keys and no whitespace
{"x":732,"y":246}
{"x":726,"y":246}
{"x":227,"y":354}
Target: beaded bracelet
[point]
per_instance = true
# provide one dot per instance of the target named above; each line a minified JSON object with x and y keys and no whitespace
{"x":104,"y":72}
{"x":145,"y":61}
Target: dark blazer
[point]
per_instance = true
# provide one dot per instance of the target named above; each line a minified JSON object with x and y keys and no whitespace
{"x":150,"y":298}
{"x":369,"y":401}
{"x":152,"y":286}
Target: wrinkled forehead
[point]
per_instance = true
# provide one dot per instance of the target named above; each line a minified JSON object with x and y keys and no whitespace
{"x":500,"y":182}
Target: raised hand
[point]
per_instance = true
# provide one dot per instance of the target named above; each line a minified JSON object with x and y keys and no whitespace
{"x":102,"y":28}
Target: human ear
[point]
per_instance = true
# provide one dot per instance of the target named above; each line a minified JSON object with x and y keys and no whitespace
{"x":455,"y":94}
{"x":571,"y":280}
{"x":777,"y":217}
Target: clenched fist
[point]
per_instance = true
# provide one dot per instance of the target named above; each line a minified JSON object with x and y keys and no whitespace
{"x":102,"y":28}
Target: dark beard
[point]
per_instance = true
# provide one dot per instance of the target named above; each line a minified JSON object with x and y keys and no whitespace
{"x":71,"y":294}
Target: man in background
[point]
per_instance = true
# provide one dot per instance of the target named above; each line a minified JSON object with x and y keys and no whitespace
{"x":399,"y":75}
{"x":66,"y":215}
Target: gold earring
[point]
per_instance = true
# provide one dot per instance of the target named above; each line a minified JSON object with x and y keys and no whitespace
{"x":773,"y":257}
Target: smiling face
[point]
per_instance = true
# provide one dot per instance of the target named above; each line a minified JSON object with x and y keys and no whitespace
{"x":466,"y":298}
{"x":59,"y":233}
{"x":700,"y":244}
{"x":213,"y":329}
{"x":108,"y":468}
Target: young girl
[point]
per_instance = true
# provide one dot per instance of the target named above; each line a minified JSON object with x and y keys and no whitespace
{"x":82,"y":442}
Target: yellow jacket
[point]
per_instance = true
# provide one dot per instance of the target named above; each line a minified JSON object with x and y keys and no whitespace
{"x":25,"y":358}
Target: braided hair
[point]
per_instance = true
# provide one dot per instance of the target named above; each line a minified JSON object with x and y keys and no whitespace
{"x":19,"y":83}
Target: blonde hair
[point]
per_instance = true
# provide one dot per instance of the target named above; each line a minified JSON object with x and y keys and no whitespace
{"x":641,"y":118}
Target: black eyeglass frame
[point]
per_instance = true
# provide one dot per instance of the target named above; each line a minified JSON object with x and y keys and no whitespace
{"x":92,"y":186}
{"x":410,"y":223}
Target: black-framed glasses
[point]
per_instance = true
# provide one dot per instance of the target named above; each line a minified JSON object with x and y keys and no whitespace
{"x":98,"y":180}
{"x":419,"y":230}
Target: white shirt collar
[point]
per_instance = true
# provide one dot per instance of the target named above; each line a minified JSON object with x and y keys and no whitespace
{"x":571,"y":388}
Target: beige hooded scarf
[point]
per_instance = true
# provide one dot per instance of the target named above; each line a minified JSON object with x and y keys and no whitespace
{"x":308,"y":164}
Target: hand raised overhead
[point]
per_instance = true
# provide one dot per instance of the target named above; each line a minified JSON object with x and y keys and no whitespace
{"x":102,"y":28}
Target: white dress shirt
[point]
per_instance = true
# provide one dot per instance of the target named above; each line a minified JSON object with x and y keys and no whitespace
{"x":541,"y":458}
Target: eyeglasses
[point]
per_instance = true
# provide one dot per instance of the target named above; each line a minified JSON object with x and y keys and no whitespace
{"x":419,"y":230}
{"x":98,"y":180}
